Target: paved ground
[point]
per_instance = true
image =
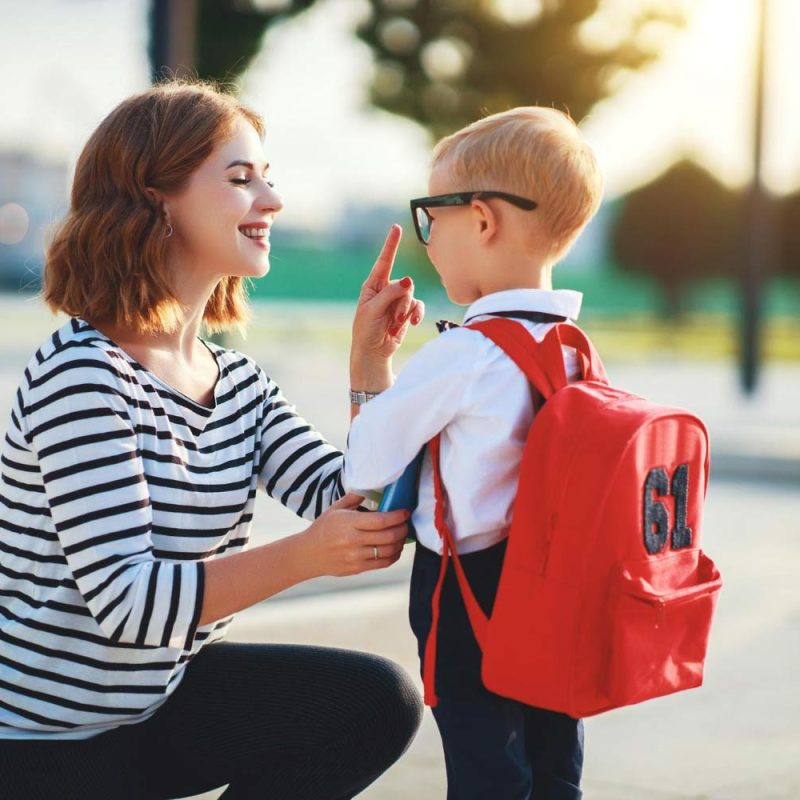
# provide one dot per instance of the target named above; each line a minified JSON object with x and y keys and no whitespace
{"x":736,"y":738}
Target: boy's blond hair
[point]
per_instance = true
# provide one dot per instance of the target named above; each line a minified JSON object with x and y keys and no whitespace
{"x":534,"y":152}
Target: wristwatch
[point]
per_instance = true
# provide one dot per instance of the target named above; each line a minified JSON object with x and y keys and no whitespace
{"x":358,"y":398}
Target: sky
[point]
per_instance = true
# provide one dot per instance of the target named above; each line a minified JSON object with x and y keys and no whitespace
{"x":65,"y":63}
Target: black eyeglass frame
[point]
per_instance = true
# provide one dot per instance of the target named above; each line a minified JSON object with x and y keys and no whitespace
{"x":463,"y":199}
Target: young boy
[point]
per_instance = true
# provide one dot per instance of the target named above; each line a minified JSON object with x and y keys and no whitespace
{"x":509,"y":195}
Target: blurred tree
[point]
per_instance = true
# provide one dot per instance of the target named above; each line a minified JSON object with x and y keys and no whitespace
{"x":445,"y":63}
{"x":213,"y":39}
{"x":230,"y":32}
{"x":682,"y":227}
{"x":442,"y":63}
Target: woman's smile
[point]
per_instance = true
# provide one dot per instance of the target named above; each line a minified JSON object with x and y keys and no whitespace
{"x":257,"y":233}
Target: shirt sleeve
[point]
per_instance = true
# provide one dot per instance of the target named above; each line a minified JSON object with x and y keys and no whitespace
{"x":429,"y":392}
{"x":76,"y":416}
{"x":299,"y":468}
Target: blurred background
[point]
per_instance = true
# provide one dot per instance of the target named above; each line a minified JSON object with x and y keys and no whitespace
{"x":691,"y":274}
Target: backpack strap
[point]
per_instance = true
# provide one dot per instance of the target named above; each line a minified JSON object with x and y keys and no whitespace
{"x":543,"y":362}
{"x":478,"y":620}
{"x":543,"y":365}
{"x":591,"y":365}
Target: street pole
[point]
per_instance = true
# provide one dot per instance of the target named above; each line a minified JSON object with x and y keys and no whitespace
{"x":759,"y":230}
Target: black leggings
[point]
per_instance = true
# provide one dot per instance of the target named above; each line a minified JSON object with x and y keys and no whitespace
{"x":273,"y":721}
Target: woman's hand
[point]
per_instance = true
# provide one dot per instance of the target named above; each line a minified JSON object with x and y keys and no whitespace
{"x":343,"y":541}
{"x":384,"y":311}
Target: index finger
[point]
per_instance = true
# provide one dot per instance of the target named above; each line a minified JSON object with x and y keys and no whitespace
{"x":381,"y":271}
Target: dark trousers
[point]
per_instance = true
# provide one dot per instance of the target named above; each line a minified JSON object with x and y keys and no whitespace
{"x":494,"y":748}
{"x":273,"y":721}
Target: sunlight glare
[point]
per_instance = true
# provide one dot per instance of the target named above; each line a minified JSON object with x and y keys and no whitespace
{"x":517,"y":12}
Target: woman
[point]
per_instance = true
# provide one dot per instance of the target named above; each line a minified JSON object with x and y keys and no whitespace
{"x":130,"y":468}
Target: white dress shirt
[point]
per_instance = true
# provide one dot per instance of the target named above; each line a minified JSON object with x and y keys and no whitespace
{"x":464,"y":386}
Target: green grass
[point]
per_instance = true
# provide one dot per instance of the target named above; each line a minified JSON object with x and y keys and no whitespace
{"x":622,"y":312}
{"x":628,"y":337}
{"x":696,"y":337}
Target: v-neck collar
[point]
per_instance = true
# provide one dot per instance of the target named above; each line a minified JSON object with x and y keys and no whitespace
{"x":182,"y":399}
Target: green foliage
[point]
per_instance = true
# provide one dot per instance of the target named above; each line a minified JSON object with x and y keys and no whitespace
{"x":445,"y":63}
{"x":225,"y":35}
{"x":229,"y":35}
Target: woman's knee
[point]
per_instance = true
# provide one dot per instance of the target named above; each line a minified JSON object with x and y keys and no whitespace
{"x":394,"y":701}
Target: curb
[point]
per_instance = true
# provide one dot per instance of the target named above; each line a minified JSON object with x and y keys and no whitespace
{"x":756,"y":467}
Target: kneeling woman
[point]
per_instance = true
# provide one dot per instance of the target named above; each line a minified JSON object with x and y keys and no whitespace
{"x":130,"y":469}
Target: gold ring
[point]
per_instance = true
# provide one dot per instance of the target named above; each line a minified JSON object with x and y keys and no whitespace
{"x":375,"y":552}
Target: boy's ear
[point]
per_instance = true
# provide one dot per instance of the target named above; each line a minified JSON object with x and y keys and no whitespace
{"x":486,"y":220}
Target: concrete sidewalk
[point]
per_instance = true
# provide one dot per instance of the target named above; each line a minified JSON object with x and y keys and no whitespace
{"x":735,"y":738}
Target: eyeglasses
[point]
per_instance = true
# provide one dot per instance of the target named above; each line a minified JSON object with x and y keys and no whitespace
{"x":422,"y":219}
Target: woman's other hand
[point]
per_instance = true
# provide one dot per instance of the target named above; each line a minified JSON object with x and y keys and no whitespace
{"x":344,"y":541}
{"x":385,"y":308}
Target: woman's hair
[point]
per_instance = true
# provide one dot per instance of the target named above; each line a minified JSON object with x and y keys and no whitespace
{"x":534,"y":152}
{"x":107,"y":260}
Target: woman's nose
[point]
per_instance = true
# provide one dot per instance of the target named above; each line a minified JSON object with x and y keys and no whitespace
{"x":269,"y":200}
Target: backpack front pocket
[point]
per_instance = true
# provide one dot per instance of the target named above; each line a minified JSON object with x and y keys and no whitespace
{"x":664,"y":608}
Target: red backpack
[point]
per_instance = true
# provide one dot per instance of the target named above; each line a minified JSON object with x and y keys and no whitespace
{"x":605,"y":597}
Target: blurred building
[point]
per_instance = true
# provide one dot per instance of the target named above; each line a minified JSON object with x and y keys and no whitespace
{"x":33,"y":197}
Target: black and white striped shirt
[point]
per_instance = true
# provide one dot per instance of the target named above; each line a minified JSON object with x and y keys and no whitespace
{"x":115,"y":488}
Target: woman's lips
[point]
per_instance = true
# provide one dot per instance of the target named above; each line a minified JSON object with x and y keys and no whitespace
{"x":257,"y":234}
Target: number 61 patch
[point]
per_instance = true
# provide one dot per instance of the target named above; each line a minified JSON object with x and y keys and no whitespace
{"x":656,"y":514}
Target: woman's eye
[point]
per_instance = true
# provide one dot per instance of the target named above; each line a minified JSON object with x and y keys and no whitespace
{"x":246,"y":182}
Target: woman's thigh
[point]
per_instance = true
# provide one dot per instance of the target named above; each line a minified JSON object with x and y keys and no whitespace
{"x":280,"y":720}
{"x":103,"y":767}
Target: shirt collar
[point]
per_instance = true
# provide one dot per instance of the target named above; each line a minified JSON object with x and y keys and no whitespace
{"x":564,"y":302}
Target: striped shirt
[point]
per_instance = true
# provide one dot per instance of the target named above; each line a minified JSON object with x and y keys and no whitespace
{"x":115,"y":489}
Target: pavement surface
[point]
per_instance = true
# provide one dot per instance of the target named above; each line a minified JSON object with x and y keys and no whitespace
{"x":735,"y":738}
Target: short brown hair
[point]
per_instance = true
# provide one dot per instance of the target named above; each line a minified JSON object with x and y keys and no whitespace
{"x":107,"y":259}
{"x":534,"y":152}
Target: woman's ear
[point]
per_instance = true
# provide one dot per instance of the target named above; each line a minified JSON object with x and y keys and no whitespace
{"x":154,"y":195}
{"x":158,"y":200}
{"x":485,"y":219}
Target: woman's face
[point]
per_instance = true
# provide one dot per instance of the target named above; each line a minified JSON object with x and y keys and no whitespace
{"x":222,"y":217}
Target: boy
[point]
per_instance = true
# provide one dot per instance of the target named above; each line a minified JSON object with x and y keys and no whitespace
{"x":509,"y":194}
